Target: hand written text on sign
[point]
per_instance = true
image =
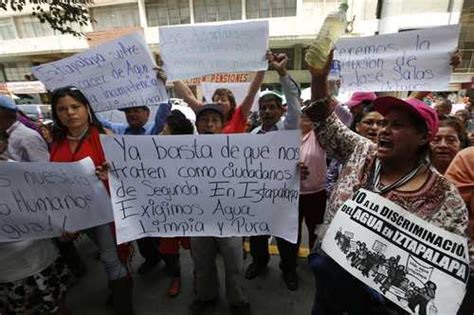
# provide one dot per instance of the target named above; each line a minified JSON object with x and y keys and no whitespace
{"x":117,"y":74}
{"x":42,"y":200}
{"x":207,"y":185}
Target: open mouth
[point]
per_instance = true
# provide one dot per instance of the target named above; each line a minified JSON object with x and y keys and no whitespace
{"x":208,"y":133}
{"x":385,"y":143}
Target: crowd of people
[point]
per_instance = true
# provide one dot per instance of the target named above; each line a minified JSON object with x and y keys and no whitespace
{"x":411,"y":153}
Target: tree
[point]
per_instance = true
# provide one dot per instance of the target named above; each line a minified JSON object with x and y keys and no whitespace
{"x":61,"y":15}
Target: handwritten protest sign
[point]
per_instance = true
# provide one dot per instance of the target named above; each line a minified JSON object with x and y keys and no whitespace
{"x":117,"y":74}
{"x":409,"y":61}
{"x":239,"y":90}
{"x":419,"y":266}
{"x":41,"y":200}
{"x":204,"y":185}
{"x":193,"y":51}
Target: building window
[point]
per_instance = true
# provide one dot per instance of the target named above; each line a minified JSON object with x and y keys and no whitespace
{"x":17,"y":71}
{"x":415,"y":7}
{"x":7,"y":29}
{"x":217,"y":10}
{"x":113,"y":17}
{"x":270,"y":8}
{"x":167,"y":12}
{"x":29,"y":26}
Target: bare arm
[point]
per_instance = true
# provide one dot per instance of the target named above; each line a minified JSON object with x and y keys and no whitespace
{"x":252,"y":92}
{"x":183,"y":91}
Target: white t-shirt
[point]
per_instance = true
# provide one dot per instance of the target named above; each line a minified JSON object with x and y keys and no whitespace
{"x":19,"y":260}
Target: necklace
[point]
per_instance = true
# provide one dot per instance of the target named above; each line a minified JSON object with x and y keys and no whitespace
{"x":78,"y":138}
{"x":377,"y":186}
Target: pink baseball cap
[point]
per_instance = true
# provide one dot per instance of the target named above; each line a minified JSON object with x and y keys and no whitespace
{"x":385,"y":103}
{"x":359,"y":97}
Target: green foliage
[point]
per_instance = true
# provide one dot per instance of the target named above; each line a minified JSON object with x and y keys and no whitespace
{"x":61,"y":15}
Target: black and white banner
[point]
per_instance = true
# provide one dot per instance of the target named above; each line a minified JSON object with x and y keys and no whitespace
{"x":420,"y":267}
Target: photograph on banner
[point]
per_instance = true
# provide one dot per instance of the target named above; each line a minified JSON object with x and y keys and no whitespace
{"x":116,"y":74}
{"x":409,"y":61}
{"x":43,"y":199}
{"x":204,"y":185}
{"x":418,"y":266}
{"x":192,"y":51}
{"x":239,"y":90}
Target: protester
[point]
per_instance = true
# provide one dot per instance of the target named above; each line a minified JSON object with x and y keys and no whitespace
{"x":367,"y":122}
{"x":312,"y":201}
{"x":235,"y":117}
{"x":396,"y":167}
{"x":137,"y":124}
{"x":46,"y":132}
{"x":462,"y":115}
{"x":358,"y":99}
{"x":442,"y":106}
{"x":210,"y":119}
{"x":76,"y":136}
{"x":176,"y":124}
{"x":447,"y":142}
{"x":33,"y":278}
{"x":271,"y":112}
{"x":461,"y":173}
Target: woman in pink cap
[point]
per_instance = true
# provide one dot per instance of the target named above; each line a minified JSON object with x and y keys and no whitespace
{"x":396,"y":168}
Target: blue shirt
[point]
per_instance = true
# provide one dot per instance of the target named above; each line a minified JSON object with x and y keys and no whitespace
{"x":154,"y":128}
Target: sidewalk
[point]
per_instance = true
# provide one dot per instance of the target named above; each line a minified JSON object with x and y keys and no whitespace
{"x":267,"y":294}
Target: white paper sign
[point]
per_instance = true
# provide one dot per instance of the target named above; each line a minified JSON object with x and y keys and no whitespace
{"x":418,"y":266}
{"x":191,"y":51}
{"x":408,"y":61}
{"x":239,"y":90}
{"x":204,"y":185}
{"x":116,"y":74}
{"x":43,"y":199}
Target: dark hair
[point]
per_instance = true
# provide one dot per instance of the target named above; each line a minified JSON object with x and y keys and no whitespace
{"x":230,"y":96}
{"x":457,"y":125}
{"x":366,"y":107}
{"x":270,"y":97}
{"x":179,"y":124}
{"x":9,"y":113}
{"x":420,"y":125}
{"x":59,"y":130}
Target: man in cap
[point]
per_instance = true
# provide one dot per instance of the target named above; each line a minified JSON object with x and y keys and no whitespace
{"x":210,"y":119}
{"x":271,"y":112}
{"x":24,"y":144}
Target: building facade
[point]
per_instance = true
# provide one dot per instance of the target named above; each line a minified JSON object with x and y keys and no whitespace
{"x":26,"y":42}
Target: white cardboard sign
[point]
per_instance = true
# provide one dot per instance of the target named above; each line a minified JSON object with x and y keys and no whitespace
{"x":196,"y":50}
{"x":418,"y":266}
{"x":116,"y":74}
{"x":44,"y":199}
{"x":408,"y":61}
{"x":204,"y":185}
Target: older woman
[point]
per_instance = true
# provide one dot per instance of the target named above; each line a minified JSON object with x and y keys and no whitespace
{"x":76,"y":136}
{"x":395,"y":167}
{"x":447,"y":142}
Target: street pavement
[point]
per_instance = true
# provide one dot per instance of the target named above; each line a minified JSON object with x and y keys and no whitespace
{"x":267,"y":293}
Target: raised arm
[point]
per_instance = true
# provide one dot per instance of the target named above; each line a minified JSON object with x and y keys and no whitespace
{"x":290,"y":89}
{"x":254,"y":88}
{"x":338,"y":140}
{"x":183,"y":91}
